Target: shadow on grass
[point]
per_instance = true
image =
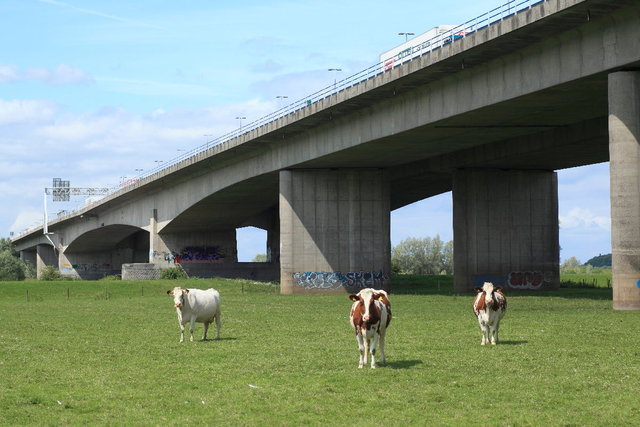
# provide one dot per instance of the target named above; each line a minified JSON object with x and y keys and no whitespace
{"x":512,"y":342}
{"x":403,"y":364}
{"x":219,"y":339}
{"x":408,"y":284}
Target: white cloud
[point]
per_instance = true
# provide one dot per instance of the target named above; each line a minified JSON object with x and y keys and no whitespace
{"x":25,"y":111}
{"x":62,"y":74}
{"x":584,"y":218}
{"x":27,"y":219}
{"x":8,"y":73}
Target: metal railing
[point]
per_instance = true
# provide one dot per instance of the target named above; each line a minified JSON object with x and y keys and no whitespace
{"x":452,"y":35}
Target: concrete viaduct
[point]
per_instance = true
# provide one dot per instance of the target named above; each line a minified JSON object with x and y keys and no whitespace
{"x":491,"y":117}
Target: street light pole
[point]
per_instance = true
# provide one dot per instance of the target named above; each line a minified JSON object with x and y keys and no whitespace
{"x":406,"y":35}
{"x":240,"y":118}
{"x":335,"y":81}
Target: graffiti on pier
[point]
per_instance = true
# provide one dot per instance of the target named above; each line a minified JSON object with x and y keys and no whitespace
{"x":90,"y":267}
{"x":526,"y":279}
{"x":337,"y":280}
{"x":196,"y":253}
{"x":190,"y":254}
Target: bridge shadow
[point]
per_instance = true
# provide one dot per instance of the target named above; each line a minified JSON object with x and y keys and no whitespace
{"x":443,"y":285}
{"x":402,"y":364}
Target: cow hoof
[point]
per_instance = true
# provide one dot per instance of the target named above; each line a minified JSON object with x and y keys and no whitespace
{"x":360,"y":366}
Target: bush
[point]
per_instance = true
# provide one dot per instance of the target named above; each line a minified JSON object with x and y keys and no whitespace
{"x":50,"y":273}
{"x":112,"y":277}
{"x":11,"y":268}
{"x":173,"y":273}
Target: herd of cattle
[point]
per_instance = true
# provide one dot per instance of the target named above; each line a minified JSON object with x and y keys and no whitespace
{"x":370,"y":315}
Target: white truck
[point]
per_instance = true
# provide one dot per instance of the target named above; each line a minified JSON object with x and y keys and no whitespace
{"x":435,"y":37}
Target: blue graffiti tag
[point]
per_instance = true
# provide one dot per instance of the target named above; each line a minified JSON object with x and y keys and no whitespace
{"x":337,"y":280}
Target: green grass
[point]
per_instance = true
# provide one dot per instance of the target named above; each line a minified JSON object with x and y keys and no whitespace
{"x":600,"y":279}
{"x":566,"y":358}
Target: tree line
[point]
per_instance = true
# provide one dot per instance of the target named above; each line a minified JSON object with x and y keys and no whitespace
{"x":11,"y":266}
{"x":424,"y":255}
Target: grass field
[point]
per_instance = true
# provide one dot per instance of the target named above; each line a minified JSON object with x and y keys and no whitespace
{"x":108,"y":353}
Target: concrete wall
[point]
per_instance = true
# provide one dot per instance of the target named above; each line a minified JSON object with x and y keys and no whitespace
{"x":505,"y":229}
{"x":45,"y":256}
{"x":334,"y":229}
{"x":624,"y":146}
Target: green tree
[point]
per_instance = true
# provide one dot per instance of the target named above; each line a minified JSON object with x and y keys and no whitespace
{"x":260,"y":258}
{"x":7,"y":245}
{"x":570,"y":265}
{"x":600,"y":261}
{"x":11,"y":268}
{"x":423,"y":256}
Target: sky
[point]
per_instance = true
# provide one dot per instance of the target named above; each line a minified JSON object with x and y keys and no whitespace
{"x":97,"y":92}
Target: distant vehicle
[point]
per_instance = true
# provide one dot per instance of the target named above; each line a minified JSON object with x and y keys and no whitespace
{"x":435,"y":37}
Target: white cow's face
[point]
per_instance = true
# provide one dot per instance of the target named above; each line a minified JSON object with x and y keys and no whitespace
{"x":178,"y":295}
{"x":488,"y":293}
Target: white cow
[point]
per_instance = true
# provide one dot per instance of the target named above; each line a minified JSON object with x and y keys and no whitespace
{"x":196,"y":305}
{"x":370,"y":316}
{"x":489,"y":306}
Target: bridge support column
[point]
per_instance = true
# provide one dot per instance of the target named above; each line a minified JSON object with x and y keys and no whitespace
{"x":45,"y":255}
{"x":505,"y":229}
{"x":334,"y":230}
{"x":29,"y":257}
{"x":624,"y":154}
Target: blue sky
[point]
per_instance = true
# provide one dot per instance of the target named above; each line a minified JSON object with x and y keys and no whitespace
{"x":91,"y":91}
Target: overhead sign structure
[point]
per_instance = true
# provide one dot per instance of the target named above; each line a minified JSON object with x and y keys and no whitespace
{"x":62,"y":192}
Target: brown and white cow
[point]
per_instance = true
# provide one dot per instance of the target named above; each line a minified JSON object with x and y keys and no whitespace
{"x":489,"y":307}
{"x":196,"y":305}
{"x":370,"y":316}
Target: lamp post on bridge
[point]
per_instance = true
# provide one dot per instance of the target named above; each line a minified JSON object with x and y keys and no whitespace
{"x":335,"y":80}
{"x":406,"y":35}
{"x":241,"y":119}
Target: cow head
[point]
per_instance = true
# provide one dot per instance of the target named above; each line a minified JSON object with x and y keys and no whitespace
{"x":488,"y":299}
{"x":178,"y":294}
{"x":365,"y":304}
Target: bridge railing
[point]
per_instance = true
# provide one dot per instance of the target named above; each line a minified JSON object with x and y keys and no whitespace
{"x":453,"y":35}
{"x":463,"y":30}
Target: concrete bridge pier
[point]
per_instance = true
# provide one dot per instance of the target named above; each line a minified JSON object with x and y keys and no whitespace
{"x":624,"y":154}
{"x":505,"y":229}
{"x":45,"y":255}
{"x":334,"y":230}
{"x":29,"y":257}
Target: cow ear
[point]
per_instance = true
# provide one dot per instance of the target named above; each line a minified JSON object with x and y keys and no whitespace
{"x":169,"y":292}
{"x":498,"y":288}
{"x":185,"y":291}
{"x":478,"y":290}
{"x":353,"y":298}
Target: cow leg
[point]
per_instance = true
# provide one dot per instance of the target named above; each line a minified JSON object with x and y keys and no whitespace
{"x":485,"y":333}
{"x":374,"y":342}
{"x":494,"y":334}
{"x":218,"y":321}
{"x":361,"y":347}
{"x":206,"y":328}
{"x":181,"y":332}
{"x":192,"y":325}
{"x":383,"y":360}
